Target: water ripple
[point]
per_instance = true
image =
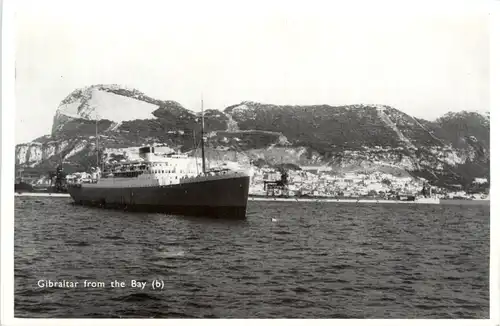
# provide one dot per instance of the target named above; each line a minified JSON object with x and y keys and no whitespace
{"x":316,"y":260}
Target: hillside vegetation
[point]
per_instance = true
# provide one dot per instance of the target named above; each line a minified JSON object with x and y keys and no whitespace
{"x":453,"y":149}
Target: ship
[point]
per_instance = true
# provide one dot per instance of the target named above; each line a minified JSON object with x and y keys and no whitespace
{"x":167,"y":182}
{"x":53,"y":183}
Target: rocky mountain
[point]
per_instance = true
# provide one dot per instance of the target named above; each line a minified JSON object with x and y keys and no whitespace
{"x":453,"y":149}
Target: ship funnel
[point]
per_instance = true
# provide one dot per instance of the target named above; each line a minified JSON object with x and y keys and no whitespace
{"x":146,"y":153}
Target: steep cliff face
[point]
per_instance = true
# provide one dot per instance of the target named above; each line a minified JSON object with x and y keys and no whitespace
{"x":33,"y":153}
{"x":124,"y":118}
{"x":452,"y":149}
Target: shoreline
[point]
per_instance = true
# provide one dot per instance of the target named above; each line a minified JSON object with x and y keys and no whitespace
{"x":484,"y":202}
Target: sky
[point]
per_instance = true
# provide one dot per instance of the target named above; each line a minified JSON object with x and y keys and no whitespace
{"x":424,"y":60}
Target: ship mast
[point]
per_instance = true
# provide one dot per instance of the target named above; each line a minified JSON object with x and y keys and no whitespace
{"x":195,"y":149}
{"x":202,"y":136}
{"x":97,"y":142}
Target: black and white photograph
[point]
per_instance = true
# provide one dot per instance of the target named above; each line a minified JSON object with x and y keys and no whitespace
{"x":250,"y":160}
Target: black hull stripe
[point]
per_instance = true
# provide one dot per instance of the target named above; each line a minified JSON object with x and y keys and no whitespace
{"x":222,"y":212}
